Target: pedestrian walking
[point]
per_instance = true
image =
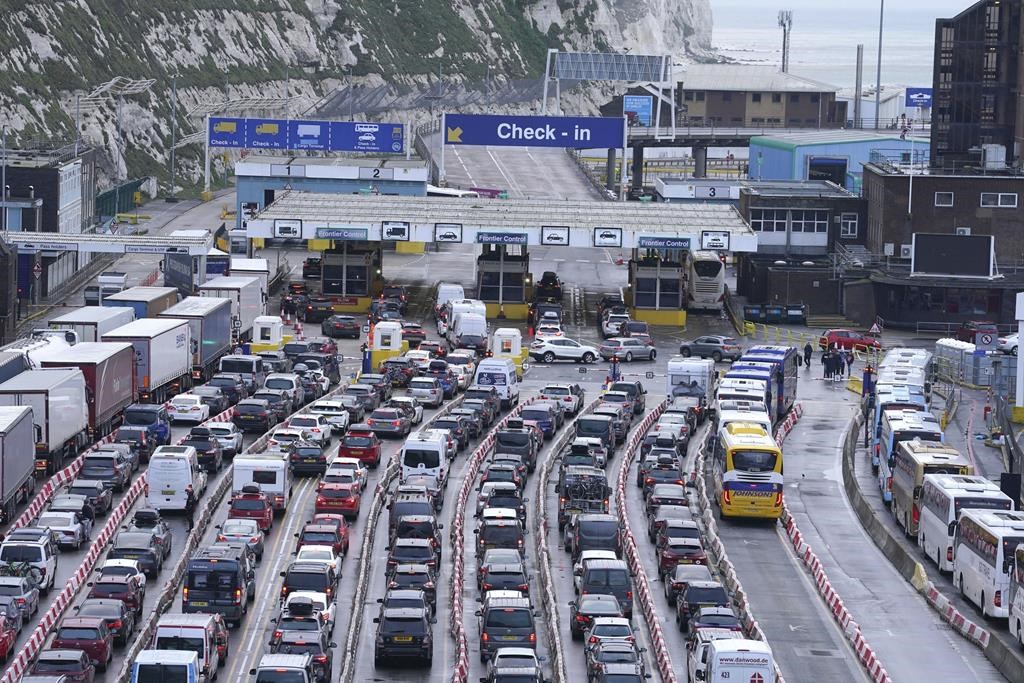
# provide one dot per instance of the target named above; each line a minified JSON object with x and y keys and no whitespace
{"x":190,"y":506}
{"x":849,"y":363}
{"x":841,"y":364}
{"x":826,"y":363}
{"x":808,"y":352}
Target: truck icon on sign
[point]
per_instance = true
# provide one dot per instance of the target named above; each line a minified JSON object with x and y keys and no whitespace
{"x":225,"y":127}
{"x":267,"y":129}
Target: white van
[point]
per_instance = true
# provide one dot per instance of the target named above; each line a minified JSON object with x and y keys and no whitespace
{"x":165,"y":665}
{"x":193,"y":633}
{"x":288,"y":382}
{"x":425,"y":452}
{"x":268,"y":471}
{"x":453,"y":309}
{"x":448,"y":291}
{"x":499,"y":373}
{"x":737,"y":660}
{"x":172,"y":469}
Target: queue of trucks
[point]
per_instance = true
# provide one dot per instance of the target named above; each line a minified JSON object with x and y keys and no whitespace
{"x":77,"y":377}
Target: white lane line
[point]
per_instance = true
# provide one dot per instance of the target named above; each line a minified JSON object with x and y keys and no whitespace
{"x":582,"y":260}
{"x":464,"y":167}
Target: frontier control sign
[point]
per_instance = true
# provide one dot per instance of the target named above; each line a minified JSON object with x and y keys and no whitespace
{"x":583,"y":132}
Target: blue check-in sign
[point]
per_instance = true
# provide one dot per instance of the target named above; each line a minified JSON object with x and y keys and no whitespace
{"x":227,"y":132}
{"x":501,"y":238}
{"x":663,"y":242}
{"x":309,"y":135}
{"x":342,"y":233}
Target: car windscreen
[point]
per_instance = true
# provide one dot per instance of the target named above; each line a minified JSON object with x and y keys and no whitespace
{"x":21,"y":553}
{"x":180,"y":643}
{"x":509,"y":617}
{"x":280,"y":383}
{"x":413,"y":626}
{"x":248,"y":504}
{"x":607,"y":577}
{"x":138,"y":417}
{"x":280,"y":676}
{"x":212,"y":580}
{"x":714,"y":595}
{"x":707,"y":268}
{"x":506,"y":534}
{"x":538,"y":414}
{"x":55,"y":666}
{"x":414,"y":552}
{"x":238,"y":365}
{"x":754,"y":461}
{"x":313,"y":581}
{"x":250,"y":409}
{"x":587,"y":427}
{"x":71,"y":633}
{"x":414,"y":457}
{"x":598,"y":528}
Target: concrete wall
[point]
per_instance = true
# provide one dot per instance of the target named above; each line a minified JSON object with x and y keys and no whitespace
{"x":859,"y":301}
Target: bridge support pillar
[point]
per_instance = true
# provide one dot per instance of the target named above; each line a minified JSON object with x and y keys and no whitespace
{"x":609,"y":171}
{"x":700,"y":162}
{"x":638,"y":168}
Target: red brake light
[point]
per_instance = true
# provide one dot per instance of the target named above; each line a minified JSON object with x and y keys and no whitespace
{"x":593,"y":639}
{"x":997,"y":599}
{"x":484,"y":637}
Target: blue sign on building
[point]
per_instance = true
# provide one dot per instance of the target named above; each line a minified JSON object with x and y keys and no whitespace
{"x":341,"y":233}
{"x":582,"y":132}
{"x":920,"y":98}
{"x":333,"y":136}
{"x":501,"y":237}
{"x":641,"y":107}
{"x":663,"y":242}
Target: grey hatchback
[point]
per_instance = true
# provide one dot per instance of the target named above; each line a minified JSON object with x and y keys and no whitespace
{"x":714,"y":346}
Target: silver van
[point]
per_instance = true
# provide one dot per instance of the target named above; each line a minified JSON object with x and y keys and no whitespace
{"x":610,"y":577}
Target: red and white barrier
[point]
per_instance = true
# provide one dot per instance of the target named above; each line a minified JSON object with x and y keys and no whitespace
{"x":461,"y":673}
{"x":955,"y":617}
{"x":842,"y":616}
{"x":35,"y":643}
{"x":641,"y":583}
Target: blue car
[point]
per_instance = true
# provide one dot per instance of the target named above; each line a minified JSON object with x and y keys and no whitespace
{"x":439,"y":370}
{"x":152,"y":416}
{"x":543,"y":416}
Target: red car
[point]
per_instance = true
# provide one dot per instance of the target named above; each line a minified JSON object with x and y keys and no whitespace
{"x":676,"y":551}
{"x":342,"y":498}
{"x":73,"y":665}
{"x":967,"y":331}
{"x":848,"y":339}
{"x":88,"y":634}
{"x":325,"y":534}
{"x":537,"y":431}
{"x":361,"y":443}
{"x":435,"y":348}
{"x":7,"y":638}
{"x":127,"y":589}
{"x":251,"y":503}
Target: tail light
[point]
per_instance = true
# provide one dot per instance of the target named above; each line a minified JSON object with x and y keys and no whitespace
{"x":629,"y":595}
{"x":115,"y":624}
{"x":484,"y":637}
{"x":255,"y":539}
{"x":997,"y":599}
{"x":321,"y":659}
{"x":184,"y":594}
{"x":778,"y":499}
{"x":238,"y":596}
{"x":888,"y":483}
{"x":593,"y":639}
{"x":915,"y":514}
{"x":221,"y":537}
{"x":20,"y":601}
{"x":726,"y":497}
{"x":580,"y":619}
{"x":533,"y":638}
{"x":488,"y":586}
{"x":394,"y":423}
{"x":949,"y":553}
{"x":525,"y":587}
{"x":428,"y":584}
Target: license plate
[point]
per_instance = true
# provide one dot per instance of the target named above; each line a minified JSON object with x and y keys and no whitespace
{"x":309,"y":460}
{"x":510,"y":637}
{"x":167,"y":492}
{"x":403,"y":639}
{"x":196,"y":603}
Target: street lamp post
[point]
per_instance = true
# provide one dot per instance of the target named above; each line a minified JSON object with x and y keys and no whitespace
{"x":878,"y":66}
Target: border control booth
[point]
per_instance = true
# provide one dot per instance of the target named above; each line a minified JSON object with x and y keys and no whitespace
{"x":352,"y":229}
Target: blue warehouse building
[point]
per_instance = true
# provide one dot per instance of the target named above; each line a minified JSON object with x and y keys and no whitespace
{"x":834,"y":155}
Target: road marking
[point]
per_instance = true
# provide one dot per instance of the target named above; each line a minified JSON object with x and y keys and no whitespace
{"x":582,"y":260}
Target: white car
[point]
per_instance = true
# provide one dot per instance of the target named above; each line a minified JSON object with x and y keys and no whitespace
{"x":335,"y":412}
{"x":610,"y":630}
{"x":68,"y":527}
{"x":338,"y":475}
{"x":550,"y":350}
{"x":612,"y":323}
{"x":228,"y":435}
{"x":319,"y":554}
{"x":420,"y":359}
{"x":514,"y":658}
{"x":314,"y":427}
{"x":284,"y":436}
{"x":1008,"y":344}
{"x":426,"y":390}
{"x":463,"y":375}
{"x":417,"y":407}
{"x":124,"y":567}
{"x":321,"y":604}
{"x":548,"y":332}
{"x":350,"y":464}
{"x":188,"y":408}
{"x":563,"y":392}
{"x":589,"y":556}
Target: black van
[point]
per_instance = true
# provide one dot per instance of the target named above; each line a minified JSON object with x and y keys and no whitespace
{"x":595,"y":532}
{"x":517,"y":441}
{"x":406,"y":504}
{"x":217,"y":582}
{"x":598,"y":427}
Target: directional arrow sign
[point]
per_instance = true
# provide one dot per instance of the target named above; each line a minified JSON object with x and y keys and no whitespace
{"x":454,"y":134}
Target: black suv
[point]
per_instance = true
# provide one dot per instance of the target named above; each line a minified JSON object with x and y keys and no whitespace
{"x":308,"y":576}
{"x":311,"y":268}
{"x":548,"y":287}
{"x":208,"y":449}
{"x":340,"y":326}
{"x":316,"y":310}
{"x":254,"y":414}
{"x":404,"y":632}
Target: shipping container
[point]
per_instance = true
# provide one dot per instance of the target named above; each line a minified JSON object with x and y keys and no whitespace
{"x":58,"y":399}
{"x":89,"y":323}
{"x":17,"y":452}
{"x":12,"y":364}
{"x":147,"y":302}
{"x":210,"y":321}
{"x":163,"y":356}
{"x":247,"y":301}
{"x":109,"y":369}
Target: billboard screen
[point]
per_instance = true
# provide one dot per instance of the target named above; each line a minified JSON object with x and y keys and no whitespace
{"x":952,"y":255}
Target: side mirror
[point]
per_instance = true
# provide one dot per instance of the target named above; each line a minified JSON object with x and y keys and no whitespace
{"x":479,"y":613}
{"x":283,"y":574}
{"x":376,"y":620}
{"x":332,"y":644}
{"x":440,"y":526}
{"x":252,"y":672}
{"x":572,"y":603}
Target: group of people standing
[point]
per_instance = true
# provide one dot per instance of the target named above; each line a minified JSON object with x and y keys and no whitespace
{"x":837,"y":363}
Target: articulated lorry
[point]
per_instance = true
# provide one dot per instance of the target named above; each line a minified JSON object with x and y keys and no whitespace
{"x":17,"y":452}
{"x":58,"y":398}
{"x":109,"y":369}
{"x":163,"y":356}
{"x":88,"y":323}
{"x":247,"y":301}
{"x":147,"y":302}
{"x":210,"y":321}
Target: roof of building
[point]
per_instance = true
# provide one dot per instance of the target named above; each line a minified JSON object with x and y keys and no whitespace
{"x":796,"y":188}
{"x":792,"y":140}
{"x":365,"y":162}
{"x":747,"y":77}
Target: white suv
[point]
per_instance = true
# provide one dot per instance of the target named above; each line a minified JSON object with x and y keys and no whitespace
{"x":35,"y":548}
{"x":560,"y":348}
{"x":612,"y":323}
{"x":572,"y":400}
{"x":335,"y":412}
{"x":314,"y":427}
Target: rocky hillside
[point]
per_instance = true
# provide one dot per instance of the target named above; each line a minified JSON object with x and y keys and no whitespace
{"x":58,"y":51}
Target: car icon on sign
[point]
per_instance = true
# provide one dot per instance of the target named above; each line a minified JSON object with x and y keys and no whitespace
{"x":608,"y":235}
{"x":367,"y":137}
{"x":445,"y":236}
{"x":555,"y":237}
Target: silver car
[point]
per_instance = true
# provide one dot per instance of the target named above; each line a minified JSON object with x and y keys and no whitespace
{"x":24,"y":591}
{"x":243,"y":531}
{"x":426,"y":390}
{"x":627,"y":349}
{"x":228,"y":435}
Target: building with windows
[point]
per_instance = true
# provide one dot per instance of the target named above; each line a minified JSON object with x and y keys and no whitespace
{"x":746,"y":95}
{"x":978,"y":118}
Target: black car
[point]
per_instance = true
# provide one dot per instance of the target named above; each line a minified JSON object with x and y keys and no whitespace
{"x":458,"y":426}
{"x":311,"y":389}
{"x":308,"y":576}
{"x":280,"y":402}
{"x":340,"y":326}
{"x":119,"y":618}
{"x":354,"y":406}
{"x":148,"y":520}
{"x":293,"y":300}
{"x":418,"y":576}
{"x":208,"y":448}
{"x":307,"y":458}
{"x":316,"y":310}
{"x":231,"y":385}
{"x":254,"y":414}
{"x":96,"y":494}
{"x":583,"y":610}
{"x":311,"y":268}
{"x":380,"y":383}
{"x":138,"y":439}
{"x":404,"y":632}
{"x":548,"y":287}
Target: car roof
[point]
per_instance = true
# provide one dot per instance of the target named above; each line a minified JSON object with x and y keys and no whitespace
{"x":705,"y":584}
{"x":81,"y":621}
{"x":404,"y":613}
